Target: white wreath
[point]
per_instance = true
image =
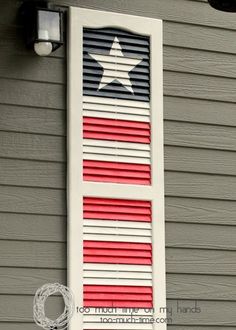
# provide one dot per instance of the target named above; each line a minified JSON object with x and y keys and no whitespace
{"x":40,"y":298}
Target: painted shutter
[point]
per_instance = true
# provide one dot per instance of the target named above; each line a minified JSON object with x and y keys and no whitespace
{"x":116,"y":244}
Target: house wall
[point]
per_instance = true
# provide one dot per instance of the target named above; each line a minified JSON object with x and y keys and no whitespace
{"x":200,"y":158}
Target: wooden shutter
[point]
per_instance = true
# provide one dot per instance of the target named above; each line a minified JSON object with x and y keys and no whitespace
{"x":116,"y":250}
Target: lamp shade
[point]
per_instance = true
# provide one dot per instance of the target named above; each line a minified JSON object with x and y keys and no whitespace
{"x":223,"y":5}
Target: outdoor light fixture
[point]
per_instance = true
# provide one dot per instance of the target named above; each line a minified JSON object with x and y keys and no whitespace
{"x":43,"y":26}
{"x":224,"y":5}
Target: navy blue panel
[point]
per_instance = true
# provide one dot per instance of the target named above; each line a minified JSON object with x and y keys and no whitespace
{"x":99,"y":41}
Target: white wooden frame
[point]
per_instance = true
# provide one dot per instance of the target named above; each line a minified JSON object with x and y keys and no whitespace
{"x":76,"y":188}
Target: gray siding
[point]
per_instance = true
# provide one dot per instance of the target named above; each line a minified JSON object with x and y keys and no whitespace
{"x":200,"y":158}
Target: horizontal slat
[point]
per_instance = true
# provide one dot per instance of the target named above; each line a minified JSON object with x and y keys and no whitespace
{"x":206,"y":211}
{"x":32,"y":200}
{"x":125,"y":277}
{"x":112,"y":298}
{"x":120,"y":159}
{"x":200,"y":160}
{"x":33,"y":254}
{"x":112,"y":238}
{"x":32,"y":173}
{"x":116,"y":116}
{"x":116,"y":231}
{"x":199,"y":62}
{"x":106,"y":150}
{"x":98,"y":177}
{"x":115,"y":59}
{"x":117,"y":224}
{"x":28,"y":93}
{"x":32,"y":120}
{"x":24,"y":281}
{"x":89,"y":133}
{"x":117,"y":268}
{"x":200,"y":186}
{"x":200,"y":261}
{"x":96,"y":280}
{"x":40,"y":69}
{"x":199,"y":111}
{"x":32,"y":227}
{"x":199,"y":86}
{"x":201,"y":236}
{"x":126,"y":303}
{"x":141,"y":206}
{"x":181,"y":286}
{"x":116,"y":144}
{"x":32,"y":146}
{"x":199,"y":136}
{"x":199,"y":37}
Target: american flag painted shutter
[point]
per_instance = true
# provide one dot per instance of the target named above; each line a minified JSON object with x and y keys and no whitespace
{"x":116,"y":250}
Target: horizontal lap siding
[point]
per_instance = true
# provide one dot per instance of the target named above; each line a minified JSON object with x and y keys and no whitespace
{"x":200,"y":157}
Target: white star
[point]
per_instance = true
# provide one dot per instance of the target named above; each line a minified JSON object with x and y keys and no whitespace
{"x":116,"y":66}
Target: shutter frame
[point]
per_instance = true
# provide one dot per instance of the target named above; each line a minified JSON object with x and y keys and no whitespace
{"x":77,"y":188}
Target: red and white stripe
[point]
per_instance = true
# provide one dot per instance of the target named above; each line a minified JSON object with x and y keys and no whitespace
{"x":116,"y":141}
{"x":117,"y":253}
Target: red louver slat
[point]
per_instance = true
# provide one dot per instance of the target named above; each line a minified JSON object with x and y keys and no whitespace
{"x":111,"y":209}
{"x":117,"y":253}
{"x":117,"y":166}
{"x":117,"y":245}
{"x":117,"y":130}
{"x":119,"y":202}
{"x":117,"y":260}
{"x":118,"y":304}
{"x":109,"y":172}
{"x":117,"y":296}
